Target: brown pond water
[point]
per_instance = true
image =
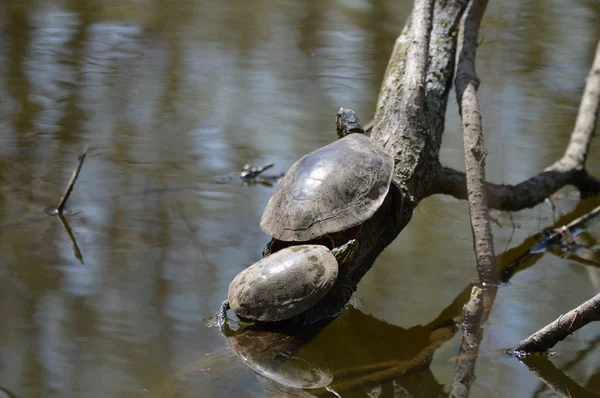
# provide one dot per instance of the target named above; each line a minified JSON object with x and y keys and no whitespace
{"x":170,"y":94}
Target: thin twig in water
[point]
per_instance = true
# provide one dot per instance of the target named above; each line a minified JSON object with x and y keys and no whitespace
{"x":71,"y":184}
{"x":567,"y":231}
{"x":512,"y":233}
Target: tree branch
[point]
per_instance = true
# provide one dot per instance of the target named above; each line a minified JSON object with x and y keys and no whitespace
{"x":570,"y":169}
{"x":400,"y":112}
{"x":467,"y":83}
{"x":558,"y":330}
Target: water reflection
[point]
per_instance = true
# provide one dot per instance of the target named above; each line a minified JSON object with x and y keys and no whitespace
{"x":169,"y":95}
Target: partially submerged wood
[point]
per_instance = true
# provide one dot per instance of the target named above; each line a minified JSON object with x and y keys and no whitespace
{"x":63,"y":200}
{"x":561,"y":328}
{"x":464,"y":372}
{"x":562,"y":234}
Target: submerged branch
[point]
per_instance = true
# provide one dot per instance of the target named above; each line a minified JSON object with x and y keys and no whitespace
{"x":568,"y":231}
{"x":560,"y":232}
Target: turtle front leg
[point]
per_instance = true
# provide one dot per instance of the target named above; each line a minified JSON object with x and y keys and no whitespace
{"x":268,"y":250}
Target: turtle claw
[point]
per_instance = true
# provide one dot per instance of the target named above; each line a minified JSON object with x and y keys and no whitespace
{"x":221,"y":315}
{"x":223,"y":323}
{"x":220,"y":320}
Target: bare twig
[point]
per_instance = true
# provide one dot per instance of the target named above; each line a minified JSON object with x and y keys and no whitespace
{"x":558,"y":330}
{"x":570,"y":169}
{"x":71,"y":184}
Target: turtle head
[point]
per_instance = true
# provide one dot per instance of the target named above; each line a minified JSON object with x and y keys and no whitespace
{"x":344,"y":253}
{"x":346,"y":122}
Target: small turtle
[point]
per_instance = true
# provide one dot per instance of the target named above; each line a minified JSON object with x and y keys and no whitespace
{"x":251,"y":175}
{"x":332,"y":190}
{"x":285,"y":284}
{"x":252,"y":171}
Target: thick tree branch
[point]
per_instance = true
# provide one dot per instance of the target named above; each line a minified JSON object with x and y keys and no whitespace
{"x":399,"y":119}
{"x":566,"y":324}
{"x":570,"y":169}
{"x":415,"y":150}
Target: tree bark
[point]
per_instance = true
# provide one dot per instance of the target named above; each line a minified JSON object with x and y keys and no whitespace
{"x":467,"y":83}
{"x":409,"y":119}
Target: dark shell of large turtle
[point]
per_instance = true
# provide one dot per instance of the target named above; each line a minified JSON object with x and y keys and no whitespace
{"x":283,"y":284}
{"x":329,"y":190}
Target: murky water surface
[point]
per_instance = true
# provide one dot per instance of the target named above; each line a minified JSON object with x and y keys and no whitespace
{"x":169,"y":94}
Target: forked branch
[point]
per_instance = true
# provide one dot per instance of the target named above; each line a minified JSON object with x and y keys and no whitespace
{"x":570,"y":169}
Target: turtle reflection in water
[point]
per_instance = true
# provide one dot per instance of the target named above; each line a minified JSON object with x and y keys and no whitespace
{"x":285,"y":284}
{"x":270,"y":355}
{"x":251,"y":175}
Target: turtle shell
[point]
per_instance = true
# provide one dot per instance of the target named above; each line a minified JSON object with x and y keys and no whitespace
{"x":283,"y":284}
{"x":329,"y":190}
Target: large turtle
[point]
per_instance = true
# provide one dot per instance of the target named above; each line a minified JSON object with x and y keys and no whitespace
{"x":332,"y":190}
{"x":285,"y":284}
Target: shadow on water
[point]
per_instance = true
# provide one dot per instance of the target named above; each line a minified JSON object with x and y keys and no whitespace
{"x":356,"y":354}
{"x":349,"y":356}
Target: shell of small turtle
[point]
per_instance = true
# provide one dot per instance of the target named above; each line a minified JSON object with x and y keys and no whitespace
{"x":329,"y":190}
{"x":283,"y":284}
